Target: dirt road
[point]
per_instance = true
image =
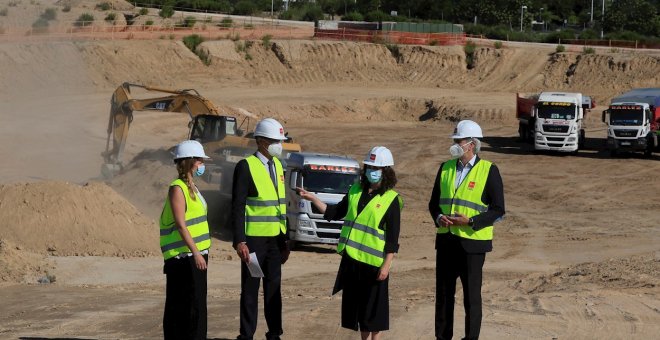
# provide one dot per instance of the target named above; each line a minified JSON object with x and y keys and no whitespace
{"x":576,"y":257}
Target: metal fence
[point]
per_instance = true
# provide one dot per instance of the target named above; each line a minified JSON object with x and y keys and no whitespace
{"x":392,"y":37}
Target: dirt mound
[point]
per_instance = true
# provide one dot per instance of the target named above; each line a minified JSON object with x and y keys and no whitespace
{"x":618,"y":273}
{"x":19,"y":265}
{"x":61,"y":218}
{"x":144,"y":181}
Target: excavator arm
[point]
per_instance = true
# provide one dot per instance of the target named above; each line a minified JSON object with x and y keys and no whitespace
{"x":123,"y":104}
{"x":220,"y":134}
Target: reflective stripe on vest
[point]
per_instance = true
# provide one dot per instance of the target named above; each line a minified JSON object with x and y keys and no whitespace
{"x":360,"y":236}
{"x":171,"y":243}
{"x":466,"y":199}
{"x":265,"y":215}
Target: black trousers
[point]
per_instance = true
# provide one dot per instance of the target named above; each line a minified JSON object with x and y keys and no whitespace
{"x":270,"y":261}
{"x":185,"y":300}
{"x":453,"y":262}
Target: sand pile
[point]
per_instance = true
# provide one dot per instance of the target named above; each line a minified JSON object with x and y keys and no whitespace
{"x":61,"y":218}
{"x":145,"y":180}
{"x":20,"y":265}
{"x":616,"y":273}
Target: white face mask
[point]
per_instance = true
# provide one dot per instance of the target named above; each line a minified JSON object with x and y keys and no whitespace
{"x":275,"y":149}
{"x":457,"y":150}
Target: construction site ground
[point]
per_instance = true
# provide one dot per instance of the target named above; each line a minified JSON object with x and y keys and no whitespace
{"x":576,"y":257}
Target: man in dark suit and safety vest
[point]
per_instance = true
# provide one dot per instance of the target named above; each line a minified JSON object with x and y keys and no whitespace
{"x":467,"y":199}
{"x":259,"y":223}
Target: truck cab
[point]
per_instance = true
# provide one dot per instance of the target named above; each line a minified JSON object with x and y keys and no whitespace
{"x":329,"y":177}
{"x":633,"y":121}
{"x":629,"y":127}
{"x":558,"y":122}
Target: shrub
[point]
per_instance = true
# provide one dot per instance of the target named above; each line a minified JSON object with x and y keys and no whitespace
{"x":172,"y":36}
{"x":192,"y":41}
{"x":560,"y":48}
{"x":248,"y":56}
{"x":13,"y":3}
{"x":143,"y":11}
{"x":588,"y":50}
{"x":4,"y":12}
{"x":104,"y":6}
{"x":148,"y":22}
{"x":234,"y":37}
{"x":166,"y":12}
{"x":353,"y":16}
{"x":433,"y":42}
{"x":49,"y":14}
{"x":226,"y":22}
{"x":84,"y":19}
{"x":265,"y":40}
{"x":111,"y":17}
{"x":66,"y":9}
{"x":614,"y":50}
{"x":245,"y":7}
{"x":395,"y":51}
{"x":189,"y":21}
{"x":469,"y":49}
{"x":208,"y":20}
{"x":248,"y":44}
{"x":248,"y":26}
{"x":40,"y":26}
{"x":376,"y":16}
{"x":498,"y":44}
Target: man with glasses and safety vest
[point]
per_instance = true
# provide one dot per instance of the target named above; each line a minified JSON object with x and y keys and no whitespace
{"x":467,"y":199}
{"x":259,"y":223}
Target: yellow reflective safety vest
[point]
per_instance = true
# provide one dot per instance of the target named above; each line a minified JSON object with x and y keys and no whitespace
{"x":360,"y":236}
{"x":171,"y":243}
{"x":265,"y":214}
{"x":466,"y":199}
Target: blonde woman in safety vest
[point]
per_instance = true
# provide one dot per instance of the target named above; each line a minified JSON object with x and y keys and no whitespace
{"x":185,"y":242}
{"x":369,"y":238}
{"x":467,"y":199}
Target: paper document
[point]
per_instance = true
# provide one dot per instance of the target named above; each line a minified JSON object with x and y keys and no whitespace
{"x":253,"y":266}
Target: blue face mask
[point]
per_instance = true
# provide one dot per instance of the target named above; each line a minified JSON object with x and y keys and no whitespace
{"x":200,"y":170}
{"x":373,"y":176}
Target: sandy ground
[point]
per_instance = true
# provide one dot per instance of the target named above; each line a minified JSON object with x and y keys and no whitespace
{"x":576,"y":257}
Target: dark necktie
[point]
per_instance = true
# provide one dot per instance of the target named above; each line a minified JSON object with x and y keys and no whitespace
{"x":272,"y":173}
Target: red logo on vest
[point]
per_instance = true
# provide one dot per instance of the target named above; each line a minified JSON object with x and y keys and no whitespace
{"x":471,"y":185}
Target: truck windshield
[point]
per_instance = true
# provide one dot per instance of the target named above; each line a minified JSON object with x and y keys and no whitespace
{"x":330,"y":182}
{"x":556,"y":110}
{"x":626,"y":117}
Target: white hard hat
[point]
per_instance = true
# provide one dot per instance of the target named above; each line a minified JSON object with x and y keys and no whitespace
{"x":188,"y":149}
{"x":269,"y":128}
{"x":467,"y":129}
{"x":379,"y":156}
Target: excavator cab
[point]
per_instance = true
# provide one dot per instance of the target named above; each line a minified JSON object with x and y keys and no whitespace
{"x":212,"y":128}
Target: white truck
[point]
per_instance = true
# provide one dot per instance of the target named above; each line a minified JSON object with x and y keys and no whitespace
{"x":554,"y":120}
{"x":633,"y":121}
{"x":329,"y":177}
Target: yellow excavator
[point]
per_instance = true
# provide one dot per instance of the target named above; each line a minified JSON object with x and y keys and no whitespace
{"x":223,"y":138}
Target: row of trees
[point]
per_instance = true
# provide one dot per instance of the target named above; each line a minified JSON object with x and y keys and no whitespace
{"x":638,"y":16}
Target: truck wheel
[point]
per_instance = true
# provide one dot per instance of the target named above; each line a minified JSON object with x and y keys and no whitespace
{"x":648,"y":152}
{"x":522,"y":132}
{"x":581,"y":140}
{"x":614,"y":153}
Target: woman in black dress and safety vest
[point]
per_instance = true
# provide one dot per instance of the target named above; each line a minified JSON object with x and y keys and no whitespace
{"x":369,"y":238}
{"x":185,"y":242}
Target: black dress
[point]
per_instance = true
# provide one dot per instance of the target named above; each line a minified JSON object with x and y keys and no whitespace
{"x":365,"y":301}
